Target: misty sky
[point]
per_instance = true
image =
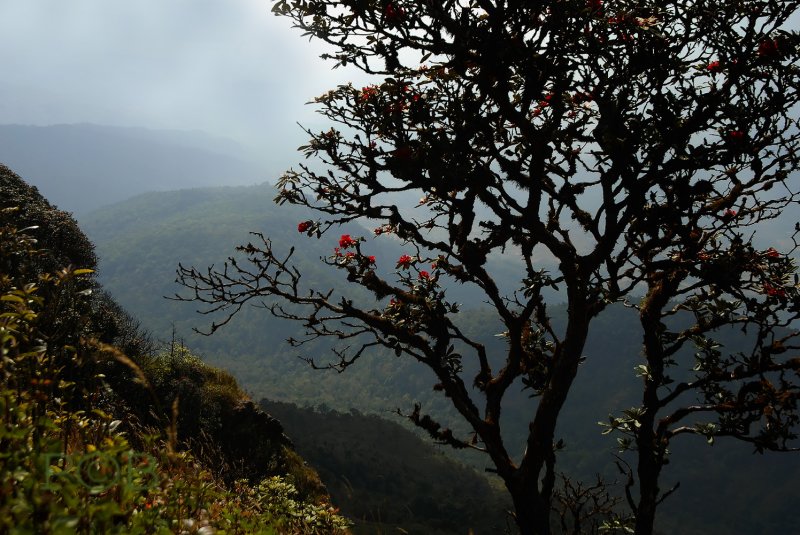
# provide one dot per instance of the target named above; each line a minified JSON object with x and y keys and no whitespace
{"x":227,"y":67}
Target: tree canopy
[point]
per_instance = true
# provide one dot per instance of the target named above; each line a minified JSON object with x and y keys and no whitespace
{"x":625,"y":151}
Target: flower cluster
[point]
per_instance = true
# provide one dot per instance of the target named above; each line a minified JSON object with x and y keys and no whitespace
{"x":304,"y":226}
{"x":394,"y":14}
{"x":404,"y":262}
{"x":736,"y":135}
{"x":346,"y":241}
{"x":368,"y":93}
{"x":714,"y":67}
{"x":406,"y":96}
{"x":769,"y":48}
{"x":774,"y":291}
{"x":343,"y":257}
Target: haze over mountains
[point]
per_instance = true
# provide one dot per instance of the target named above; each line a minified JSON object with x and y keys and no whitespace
{"x":81,"y":167}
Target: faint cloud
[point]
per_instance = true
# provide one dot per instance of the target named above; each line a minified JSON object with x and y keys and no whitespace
{"x":228,"y":67}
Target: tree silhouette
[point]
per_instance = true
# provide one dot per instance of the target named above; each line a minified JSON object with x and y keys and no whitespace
{"x":639,"y":145}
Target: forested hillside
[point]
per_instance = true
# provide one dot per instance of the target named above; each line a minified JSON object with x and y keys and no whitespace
{"x":385,"y":477}
{"x":103,"y":431}
{"x":141,"y":241}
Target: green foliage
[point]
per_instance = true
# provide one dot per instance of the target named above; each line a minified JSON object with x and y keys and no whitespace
{"x":280,"y":499}
{"x":384,"y":476}
{"x":56,"y":231}
{"x":66,"y":466}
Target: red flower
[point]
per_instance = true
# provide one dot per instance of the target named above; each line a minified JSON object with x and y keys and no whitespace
{"x":346,"y":241}
{"x":729,"y":214}
{"x":424,"y":275}
{"x":774,"y":291}
{"x":394,"y":13}
{"x":404,"y":261}
{"x":736,"y":135}
{"x":368,"y":92}
{"x":714,"y":66}
{"x":371,"y":259}
{"x":304,"y":226}
{"x":769,"y":48}
{"x":772,"y":253}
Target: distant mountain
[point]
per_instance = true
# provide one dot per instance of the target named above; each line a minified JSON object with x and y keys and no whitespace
{"x":81,"y":167}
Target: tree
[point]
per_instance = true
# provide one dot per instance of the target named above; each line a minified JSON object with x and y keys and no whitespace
{"x":639,"y":145}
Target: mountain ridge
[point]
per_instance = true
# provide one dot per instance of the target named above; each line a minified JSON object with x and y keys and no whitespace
{"x":81,"y":167}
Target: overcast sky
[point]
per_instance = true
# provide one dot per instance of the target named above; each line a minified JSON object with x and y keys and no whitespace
{"x":227,"y":67}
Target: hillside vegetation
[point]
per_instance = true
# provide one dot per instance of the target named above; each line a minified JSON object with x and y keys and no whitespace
{"x":103,"y":433}
{"x":384,"y":476}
